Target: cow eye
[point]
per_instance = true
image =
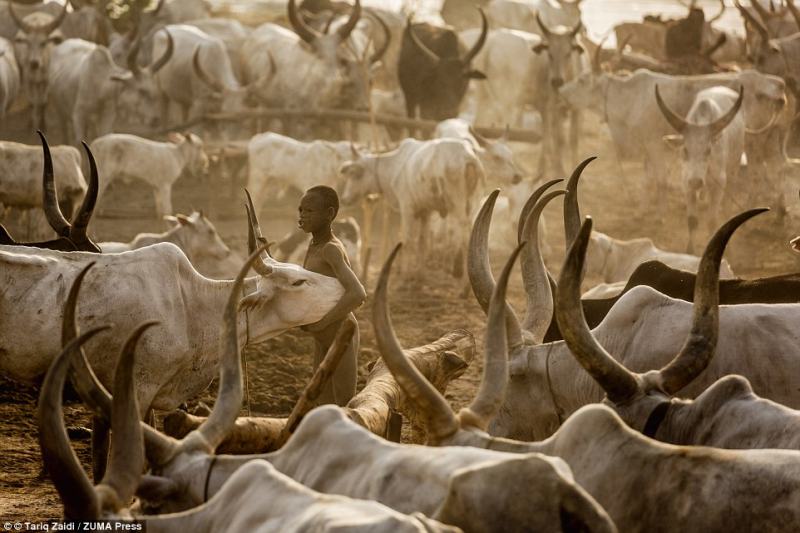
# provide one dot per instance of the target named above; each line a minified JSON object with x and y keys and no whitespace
{"x":298,"y":283}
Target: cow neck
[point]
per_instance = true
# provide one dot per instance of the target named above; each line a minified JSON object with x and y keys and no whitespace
{"x":556,"y":406}
{"x":655,"y":419}
{"x":384,"y":189}
{"x":569,"y":385}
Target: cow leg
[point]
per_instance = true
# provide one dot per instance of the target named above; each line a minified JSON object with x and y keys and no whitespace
{"x":575,"y":123}
{"x":557,"y":140}
{"x":100,"y":446}
{"x":692,"y":219}
{"x":544,"y":146}
{"x":163,"y":198}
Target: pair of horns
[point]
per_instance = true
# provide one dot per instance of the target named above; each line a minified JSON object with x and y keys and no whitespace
{"x":468,"y":57}
{"x":133,"y":55}
{"x":681,"y":125}
{"x":44,"y":29}
{"x":310,"y":35}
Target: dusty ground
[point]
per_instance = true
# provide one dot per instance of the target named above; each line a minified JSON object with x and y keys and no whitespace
{"x":278,"y":369}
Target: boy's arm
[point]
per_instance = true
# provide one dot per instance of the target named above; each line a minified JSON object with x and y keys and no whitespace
{"x":354,"y":293}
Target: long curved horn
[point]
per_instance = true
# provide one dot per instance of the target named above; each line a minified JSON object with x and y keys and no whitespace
{"x":721,"y":123}
{"x":480,"y":271}
{"x":255,"y":238}
{"x":229,"y":398}
{"x":215,"y":85}
{"x":81,"y":221}
{"x":677,"y":122}
{"x":132,"y":59}
{"x":545,"y":30}
{"x":303,"y":30}
{"x":476,"y":48}
{"x":47,"y":29}
{"x":492,"y":390}
{"x":794,"y":11}
{"x":430,"y":54}
{"x":442,"y":422}
{"x":697,"y":351}
{"x":754,"y":22}
{"x":572,"y":211}
{"x":6,"y":238}
{"x":387,"y":34}
{"x":619,"y":383}
{"x":530,"y":203}
{"x":762,"y":12}
{"x":718,"y":16}
{"x":52,"y":211}
{"x":126,"y":461}
{"x":166,"y":56}
{"x":538,"y":297}
{"x":21,"y":24}
{"x":597,"y":68}
{"x":71,"y":482}
{"x":347,"y":28}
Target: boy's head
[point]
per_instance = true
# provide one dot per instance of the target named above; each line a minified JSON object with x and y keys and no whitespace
{"x":318,"y":208}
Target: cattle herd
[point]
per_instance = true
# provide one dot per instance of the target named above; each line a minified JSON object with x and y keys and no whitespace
{"x":643,"y":389}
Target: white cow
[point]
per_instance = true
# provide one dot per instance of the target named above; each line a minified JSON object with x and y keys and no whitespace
{"x":495,"y":155}
{"x":9,"y":76}
{"x":199,"y":240}
{"x":158,"y":164}
{"x":418,"y":179}
{"x":710,"y":141}
{"x":277,"y":163}
{"x":231,"y":32}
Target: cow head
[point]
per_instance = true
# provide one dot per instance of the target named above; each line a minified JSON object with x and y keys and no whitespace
{"x":358,"y":178}
{"x":191,"y":147}
{"x":696,"y":141}
{"x":498,"y":159}
{"x":560,"y":45}
{"x":232,"y":99}
{"x":198,"y":238}
{"x":448,"y":75}
{"x":37,"y":34}
{"x":139,"y":94}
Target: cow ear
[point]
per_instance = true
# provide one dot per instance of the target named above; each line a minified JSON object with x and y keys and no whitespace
{"x":674,"y":141}
{"x":122,"y":76}
{"x":183,"y":220}
{"x":175,"y":137}
{"x":539,"y":48}
{"x":476,"y":74}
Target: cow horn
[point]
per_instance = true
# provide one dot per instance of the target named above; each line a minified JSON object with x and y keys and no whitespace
{"x":678,"y":123}
{"x":166,"y":56}
{"x":159,"y":6}
{"x":721,"y":40}
{"x":133,"y":56}
{"x":476,"y":48}
{"x":492,"y":390}
{"x":255,"y":238}
{"x":545,"y":30}
{"x":52,"y":211}
{"x":530,"y":203}
{"x":539,"y":299}
{"x":229,"y":398}
{"x":572,"y":211}
{"x":794,"y":11}
{"x":419,"y":44}
{"x":480,"y":272}
{"x":5,"y":236}
{"x":767,"y":126}
{"x":442,"y":422}
{"x":81,"y":221}
{"x":757,"y":24}
{"x":347,"y":28}
{"x":47,"y":29}
{"x":721,"y":123}
{"x":701,"y":342}
{"x":387,"y":34}
{"x":21,"y":24}
{"x":126,"y":462}
{"x":215,"y":85}
{"x":303,"y":30}
{"x":619,"y":383}
{"x":73,"y":485}
{"x":722,"y":8}
{"x":597,"y":68}
{"x":762,"y":12}
{"x":482,"y":141}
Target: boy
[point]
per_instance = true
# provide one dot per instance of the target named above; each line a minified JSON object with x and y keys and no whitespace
{"x":326,"y":255}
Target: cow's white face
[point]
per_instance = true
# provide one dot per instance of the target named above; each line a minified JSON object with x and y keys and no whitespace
{"x":192,"y":146}
{"x":696,"y":150}
{"x":584,"y":92}
{"x":204,"y":247}
{"x":32,"y":49}
{"x":500,"y":163}
{"x":560,"y":47}
{"x":356,"y":182}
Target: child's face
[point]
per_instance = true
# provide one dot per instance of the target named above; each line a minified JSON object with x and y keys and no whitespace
{"x":313,"y":215}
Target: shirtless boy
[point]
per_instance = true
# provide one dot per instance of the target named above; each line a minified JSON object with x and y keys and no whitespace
{"x":326,"y":255}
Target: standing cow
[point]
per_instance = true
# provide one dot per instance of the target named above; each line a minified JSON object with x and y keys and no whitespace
{"x":711,"y":143}
{"x":434,"y":70}
{"x":9,"y":76}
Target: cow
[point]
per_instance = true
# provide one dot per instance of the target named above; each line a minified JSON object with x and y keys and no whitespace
{"x":461,"y":488}
{"x":9,"y":76}
{"x":314,"y":69}
{"x":761,"y":24}
{"x":93,"y":97}
{"x":89,"y":21}
{"x":197,"y":237}
{"x":417,"y":179}
{"x":678,"y":477}
{"x":70,"y":236}
{"x":644,"y":329}
{"x":710,"y":141}
{"x":231,"y":32}
{"x":37,"y":35}
{"x":726,"y":415}
{"x":434,"y":70}
{"x":495,"y":155}
{"x":637,"y":130}
{"x":278,"y":163}
{"x":521,"y":15}
{"x":158,"y":164}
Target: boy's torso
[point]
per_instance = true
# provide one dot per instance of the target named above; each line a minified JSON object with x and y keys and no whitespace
{"x":315,"y":262}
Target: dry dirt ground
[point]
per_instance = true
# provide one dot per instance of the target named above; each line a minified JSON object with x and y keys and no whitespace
{"x":277,"y":370}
